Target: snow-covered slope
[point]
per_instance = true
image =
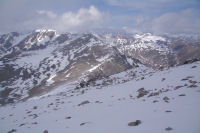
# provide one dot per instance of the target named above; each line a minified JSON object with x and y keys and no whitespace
{"x":154,"y":101}
{"x":149,"y":41}
{"x":44,"y":58}
{"x":9,"y":40}
{"x":147,"y":48}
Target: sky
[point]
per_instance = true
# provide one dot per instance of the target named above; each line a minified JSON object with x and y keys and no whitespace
{"x":156,"y":16}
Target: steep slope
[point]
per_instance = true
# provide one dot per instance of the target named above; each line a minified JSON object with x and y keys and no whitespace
{"x":152,"y":101}
{"x":44,"y":59}
{"x":185,"y":50}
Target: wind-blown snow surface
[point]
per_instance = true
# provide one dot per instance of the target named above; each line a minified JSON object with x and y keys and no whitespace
{"x":170,"y":104}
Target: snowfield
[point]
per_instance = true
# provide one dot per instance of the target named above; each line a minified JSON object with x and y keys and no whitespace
{"x":154,"y":101}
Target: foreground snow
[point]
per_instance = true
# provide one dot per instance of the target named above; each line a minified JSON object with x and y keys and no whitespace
{"x":169,"y":102}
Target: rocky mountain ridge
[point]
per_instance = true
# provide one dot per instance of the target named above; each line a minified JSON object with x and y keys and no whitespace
{"x":33,"y":63}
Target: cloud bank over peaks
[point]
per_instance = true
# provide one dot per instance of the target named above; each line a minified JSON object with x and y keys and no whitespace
{"x":186,"y":21}
{"x":81,"y":21}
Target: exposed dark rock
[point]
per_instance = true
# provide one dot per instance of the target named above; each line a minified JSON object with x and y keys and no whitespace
{"x":45,"y":131}
{"x":192,"y":82}
{"x":155,"y":93}
{"x":33,"y":115}
{"x":34,"y":123}
{"x":69,"y":117}
{"x":168,"y":129}
{"x":82,"y":92}
{"x":12,"y":131}
{"x":83,"y":103}
{"x":84,"y":123}
{"x":142,"y":92}
{"x":163,"y":79}
{"x":168,"y":111}
{"x":178,"y":87}
{"x":166,"y":99}
{"x":28,"y":112}
{"x":189,"y":61}
{"x":182,"y":95}
{"x":136,"y":123}
{"x":193,"y":66}
{"x":184,"y":79}
{"x":155,"y":101}
{"x":21,"y":124}
{"x":98,"y":102}
{"x":192,"y":86}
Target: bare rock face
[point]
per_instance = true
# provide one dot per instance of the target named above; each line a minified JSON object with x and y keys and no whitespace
{"x":185,"y":50}
{"x":135,"y":123}
{"x":45,"y":131}
{"x":34,"y":63}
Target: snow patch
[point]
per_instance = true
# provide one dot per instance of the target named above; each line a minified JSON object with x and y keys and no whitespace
{"x":94,"y":67}
{"x":50,"y":80}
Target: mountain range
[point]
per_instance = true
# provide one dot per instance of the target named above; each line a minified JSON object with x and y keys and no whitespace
{"x":35,"y":63}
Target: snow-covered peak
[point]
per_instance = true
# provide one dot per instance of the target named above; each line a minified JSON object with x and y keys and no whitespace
{"x":149,"y":37}
{"x":45,"y":30}
{"x":148,"y":40}
{"x":39,"y":37}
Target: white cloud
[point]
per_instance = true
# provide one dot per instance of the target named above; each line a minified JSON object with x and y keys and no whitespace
{"x":144,"y":4}
{"x":138,"y":20}
{"x":83,"y":20}
{"x":131,"y":30}
{"x":49,"y":14}
{"x":187,"y":21}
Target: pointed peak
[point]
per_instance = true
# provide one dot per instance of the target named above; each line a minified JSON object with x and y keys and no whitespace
{"x":45,"y":30}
